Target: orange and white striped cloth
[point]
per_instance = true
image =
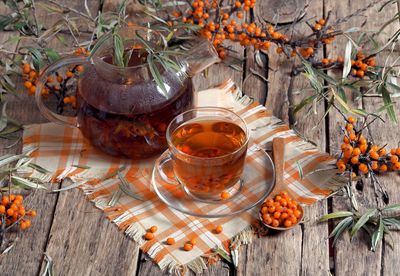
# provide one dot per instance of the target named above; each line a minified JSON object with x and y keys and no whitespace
{"x":66,"y":154}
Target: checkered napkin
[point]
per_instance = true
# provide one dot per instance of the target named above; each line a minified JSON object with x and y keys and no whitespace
{"x":65,"y":152}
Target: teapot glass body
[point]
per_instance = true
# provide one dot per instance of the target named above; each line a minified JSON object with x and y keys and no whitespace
{"x":123,"y":111}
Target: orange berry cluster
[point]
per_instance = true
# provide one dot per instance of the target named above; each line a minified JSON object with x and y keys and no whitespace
{"x":281,"y":211}
{"x":30,"y":76}
{"x":360,"y":65}
{"x":13,"y":211}
{"x":81,"y":51}
{"x":360,"y":156}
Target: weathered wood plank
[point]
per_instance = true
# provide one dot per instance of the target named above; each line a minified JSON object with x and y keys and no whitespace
{"x":300,"y":243}
{"x":83,"y":242}
{"x":17,"y":261}
{"x":353,"y":256}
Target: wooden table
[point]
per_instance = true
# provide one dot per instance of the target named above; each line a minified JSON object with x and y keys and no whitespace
{"x":82,"y":241}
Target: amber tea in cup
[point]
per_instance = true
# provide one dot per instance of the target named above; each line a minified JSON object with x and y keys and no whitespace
{"x":207,"y":150}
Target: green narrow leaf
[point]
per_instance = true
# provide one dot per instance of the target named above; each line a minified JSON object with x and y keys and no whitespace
{"x":393,"y":207}
{"x":347,"y":60}
{"x":362,"y":221}
{"x":342,"y":93}
{"x":342,"y":226}
{"x":69,"y":187}
{"x":303,"y":103}
{"x":377,"y":235}
{"x":118,"y":50}
{"x":38,"y":168}
{"x":340,"y":214}
{"x":26,"y":184}
{"x":52,"y":55}
{"x":156,"y":74}
{"x":388,"y":102}
{"x":103,"y":39}
{"x":37,"y":58}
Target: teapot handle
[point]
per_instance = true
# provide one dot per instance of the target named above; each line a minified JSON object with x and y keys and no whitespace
{"x":54,"y":67}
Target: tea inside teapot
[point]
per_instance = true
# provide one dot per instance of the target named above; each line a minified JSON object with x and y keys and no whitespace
{"x":129,"y":119}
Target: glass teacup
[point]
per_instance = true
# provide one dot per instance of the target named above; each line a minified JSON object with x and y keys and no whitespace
{"x":207,"y":151}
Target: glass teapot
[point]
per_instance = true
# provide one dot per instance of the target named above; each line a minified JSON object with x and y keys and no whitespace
{"x":123,"y":111}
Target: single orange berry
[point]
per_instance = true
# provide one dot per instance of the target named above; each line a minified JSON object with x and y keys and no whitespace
{"x":153,"y":229}
{"x":363,"y":168}
{"x":325,"y":61}
{"x":398,"y":151}
{"x":287,"y":223}
{"x":354,"y":160}
{"x":383,"y":168}
{"x":352,"y":136}
{"x":170,"y":241}
{"x":360,"y":73}
{"x":187,"y":247}
{"x":394,"y":159}
{"x":69,"y":74}
{"x":373,"y":154}
{"x":396,"y":166}
{"x":374,"y":165}
{"x":5,"y":200}
{"x":279,"y":50}
{"x":317,"y":27}
{"x":382,"y":152}
{"x":26,"y":68}
{"x":321,"y":21}
{"x":225,"y":195}
{"x":356,"y":152}
{"x":23,"y":225}
{"x":31,"y":213}
{"x":2,"y":209}
{"x":218,"y":229}
{"x":351,"y":120}
{"x":393,"y":151}
{"x":10,"y":212}
{"x":275,"y":223}
{"x":28,"y":84}
{"x":277,"y":215}
{"x":149,"y":236}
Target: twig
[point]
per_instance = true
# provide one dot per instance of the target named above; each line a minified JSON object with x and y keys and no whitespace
{"x":56,"y":3}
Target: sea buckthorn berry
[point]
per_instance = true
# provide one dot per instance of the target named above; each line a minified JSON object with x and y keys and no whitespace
{"x":149,"y":236}
{"x":360,"y":73}
{"x":170,"y":241}
{"x":277,"y":215}
{"x":349,"y":127}
{"x":353,"y":175}
{"x":26,"y":68}
{"x":23,"y":225}
{"x":354,"y":160}
{"x":362,"y":140}
{"x":394,"y":159}
{"x":317,"y":27}
{"x":356,"y":152}
{"x":10,"y":212}
{"x":79,"y":68}
{"x":382,"y":152}
{"x":187,"y":247}
{"x":374,"y":165}
{"x":69,"y":74}
{"x":279,"y":50}
{"x":393,"y":151}
{"x":383,"y":168}
{"x":218,"y":229}
{"x":352,"y":137}
{"x":363,"y":168}
{"x":396,"y":166}
{"x":31,"y":213}
{"x":351,"y":120}
{"x":2,"y":209}
{"x":28,"y":84}
{"x":321,"y":21}
{"x":153,"y":229}
{"x":271,"y":209}
{"x":270,"y":202}
{"x":288,"y":223}
{"x":275,"y":223}
{"x":398,"y":151}
{"x":5,"y":200}
{"x":373,"y":154}
{"x":363,"y":67}
{"x":325,"y":61}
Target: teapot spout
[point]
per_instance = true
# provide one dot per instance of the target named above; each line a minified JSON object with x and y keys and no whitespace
{"x":201,"y":56}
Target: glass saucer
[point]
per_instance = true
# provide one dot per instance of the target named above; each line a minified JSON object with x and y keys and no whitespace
{"x":256,"y":184}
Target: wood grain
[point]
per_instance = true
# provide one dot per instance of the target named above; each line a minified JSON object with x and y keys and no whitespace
{"x":354,"y":256}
